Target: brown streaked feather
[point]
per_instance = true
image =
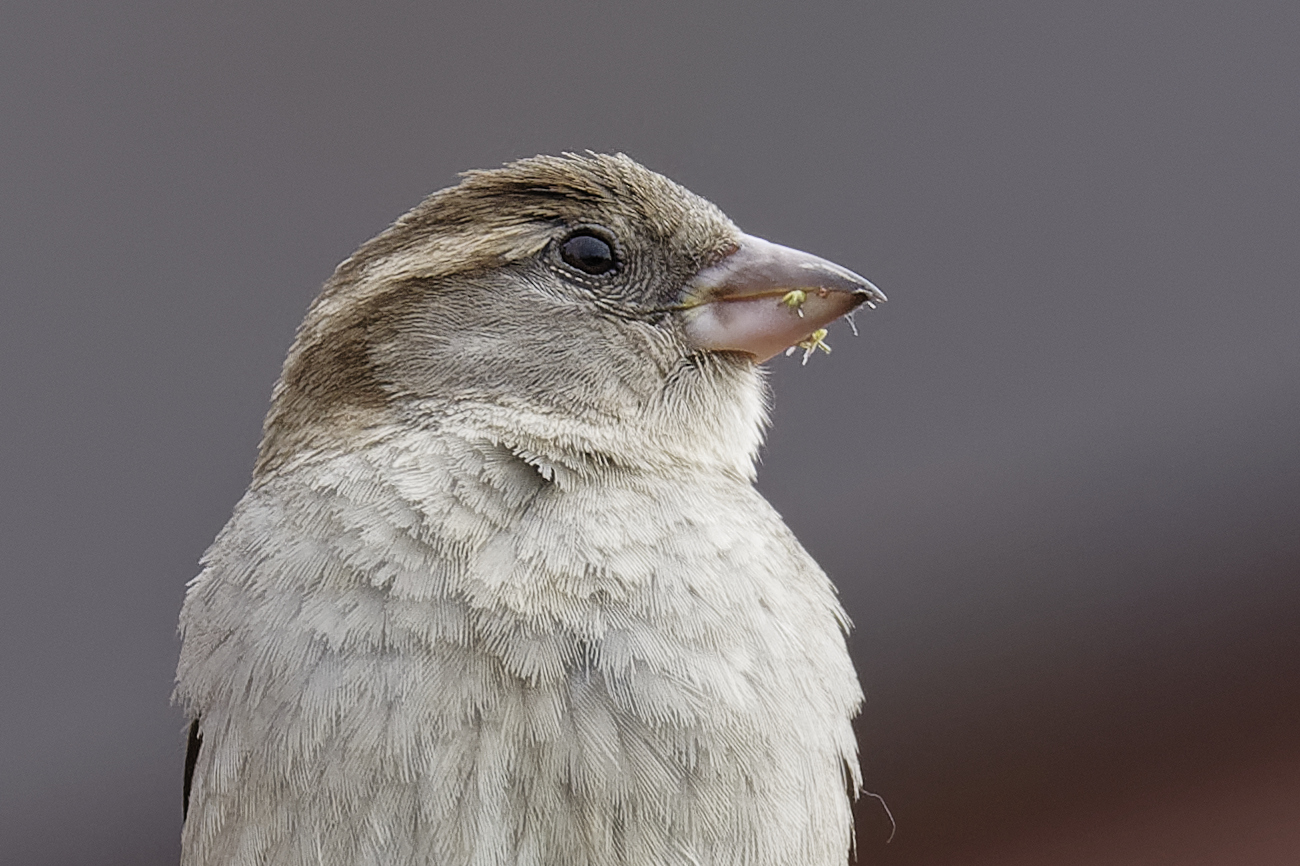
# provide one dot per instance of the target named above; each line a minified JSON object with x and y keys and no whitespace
{"x":332,"y":385}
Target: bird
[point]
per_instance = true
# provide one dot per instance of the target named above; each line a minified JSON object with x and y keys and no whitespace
{"x":501,"y":589}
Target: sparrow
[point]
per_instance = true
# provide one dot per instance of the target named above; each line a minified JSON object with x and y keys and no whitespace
{"x":502,"y":590}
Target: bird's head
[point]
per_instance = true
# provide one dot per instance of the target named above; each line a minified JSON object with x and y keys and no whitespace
{"x":579,"y":306}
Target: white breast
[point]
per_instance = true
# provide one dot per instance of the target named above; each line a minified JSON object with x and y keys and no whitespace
{"x":429,"y":651}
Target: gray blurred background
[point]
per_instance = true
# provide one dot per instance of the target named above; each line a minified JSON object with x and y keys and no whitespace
{"x":1057,"y":478}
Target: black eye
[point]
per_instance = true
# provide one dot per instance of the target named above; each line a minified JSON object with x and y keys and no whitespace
{"x":588,"y":254}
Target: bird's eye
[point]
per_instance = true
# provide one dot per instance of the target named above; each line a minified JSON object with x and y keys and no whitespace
{"x":588,"y":253}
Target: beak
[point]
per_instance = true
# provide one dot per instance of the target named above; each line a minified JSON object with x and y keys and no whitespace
{"x":765,"y":298}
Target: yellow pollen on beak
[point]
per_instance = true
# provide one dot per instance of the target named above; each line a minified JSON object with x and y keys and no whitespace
{"x":794,"y":300}
{"x":816,"y":340}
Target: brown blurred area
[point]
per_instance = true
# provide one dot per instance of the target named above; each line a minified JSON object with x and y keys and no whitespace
{"x":1056,"y":479}
{"x":1175,"y":757}
{"x":1155,"y":726}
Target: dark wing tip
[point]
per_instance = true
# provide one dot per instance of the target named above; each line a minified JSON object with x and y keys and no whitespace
{"x":191,"y":758}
